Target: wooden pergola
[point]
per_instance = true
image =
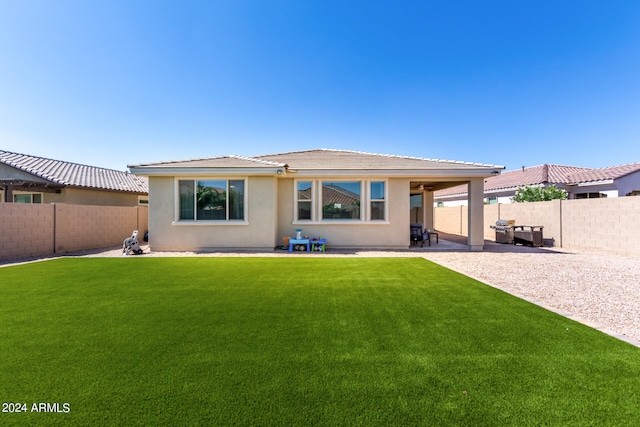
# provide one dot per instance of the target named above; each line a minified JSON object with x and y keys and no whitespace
{"x":10,"y":185}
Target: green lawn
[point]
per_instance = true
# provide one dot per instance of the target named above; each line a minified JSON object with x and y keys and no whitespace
{"x":297,"y":341}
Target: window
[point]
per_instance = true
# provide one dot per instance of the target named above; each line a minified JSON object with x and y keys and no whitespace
{"x":590,"y":195}
{"x":376,"y":196}
{"x":211,"y":200}
{"x":329,"y":201}
{"x":304,"y":199}
{"x":341,"y":200}
{"x":27,"y":198}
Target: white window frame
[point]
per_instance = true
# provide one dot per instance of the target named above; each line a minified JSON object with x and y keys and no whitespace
{"x":312,"y":202}
{"x":30,"y":194}
{"x":370,"y":200}
{"x":351,"y":220}
{"x":365,"y":202}
{"x":217,"y":222}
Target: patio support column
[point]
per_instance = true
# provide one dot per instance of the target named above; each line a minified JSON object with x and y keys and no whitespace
{"x":476,"y":214}
{"x":8,"y":194}
{"x":427,"y":208}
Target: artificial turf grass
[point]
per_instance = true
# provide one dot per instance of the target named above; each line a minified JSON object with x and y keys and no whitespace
{"x":299,"y":341}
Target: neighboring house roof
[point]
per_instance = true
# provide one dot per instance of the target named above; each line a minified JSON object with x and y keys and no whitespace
{"x":334,"y":194}
{"x":74,"y":174}
{"x":535,"y":175}
{"x":603,"y":174}
{"x":315,"y":161}
{"x":545,"y":174}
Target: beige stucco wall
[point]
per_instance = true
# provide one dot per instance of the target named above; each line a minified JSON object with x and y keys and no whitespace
{"x":270,"y":213}
{"x":258,"y":233}
{"x":394,"y":233}
{"x":80,"y":196}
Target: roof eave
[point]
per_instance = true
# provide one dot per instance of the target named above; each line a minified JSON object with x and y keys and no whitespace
{"x":592,"y":183}
{"x":181,"y":171}
{"x":398,"y":173}
{"x":116,"y":190}
{"x":280,"y":171}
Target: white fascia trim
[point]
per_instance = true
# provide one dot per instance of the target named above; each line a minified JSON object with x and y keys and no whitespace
{"x":221,"y":223}
{"x":329,"y":222}
{"x":595,"y":183}
{"x":207,"y":171}
{"x":413,"y":174}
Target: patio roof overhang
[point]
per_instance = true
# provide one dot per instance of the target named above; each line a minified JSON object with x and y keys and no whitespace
{"x":8,"y":186}
{"x":178,"y":171}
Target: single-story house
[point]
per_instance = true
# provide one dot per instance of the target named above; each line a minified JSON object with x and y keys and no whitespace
{"x":580,"y":183}
{"x":33,"y":179}
{"x":353,"y":199}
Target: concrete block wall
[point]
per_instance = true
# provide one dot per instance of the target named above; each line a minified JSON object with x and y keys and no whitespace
{"x":609,"y":225}
{"x":546,"y":214}
{"x":33,"y":230}
{"x":451,"y":219}
{"x":491,"y":215}
{"x":27,"y":230}
{"x":80,"y":227}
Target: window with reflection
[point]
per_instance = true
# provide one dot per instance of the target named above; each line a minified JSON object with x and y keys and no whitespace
{"x":377,"y":200}
{"x":304,"y":198}
{"x":211,"y":200}
{"x":341,"y":200}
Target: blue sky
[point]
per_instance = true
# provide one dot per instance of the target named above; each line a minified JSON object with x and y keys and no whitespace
{"x":514,"y":83}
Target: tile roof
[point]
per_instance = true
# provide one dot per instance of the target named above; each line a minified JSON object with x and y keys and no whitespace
{"x":319,"y":159}
{"x":547,"y":174}
{"x":601,"y":174}
{"x":74,"y":174}
{"x":334,"y":194}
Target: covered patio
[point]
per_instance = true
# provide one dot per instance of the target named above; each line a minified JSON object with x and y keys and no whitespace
{"x":422,"y":205}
